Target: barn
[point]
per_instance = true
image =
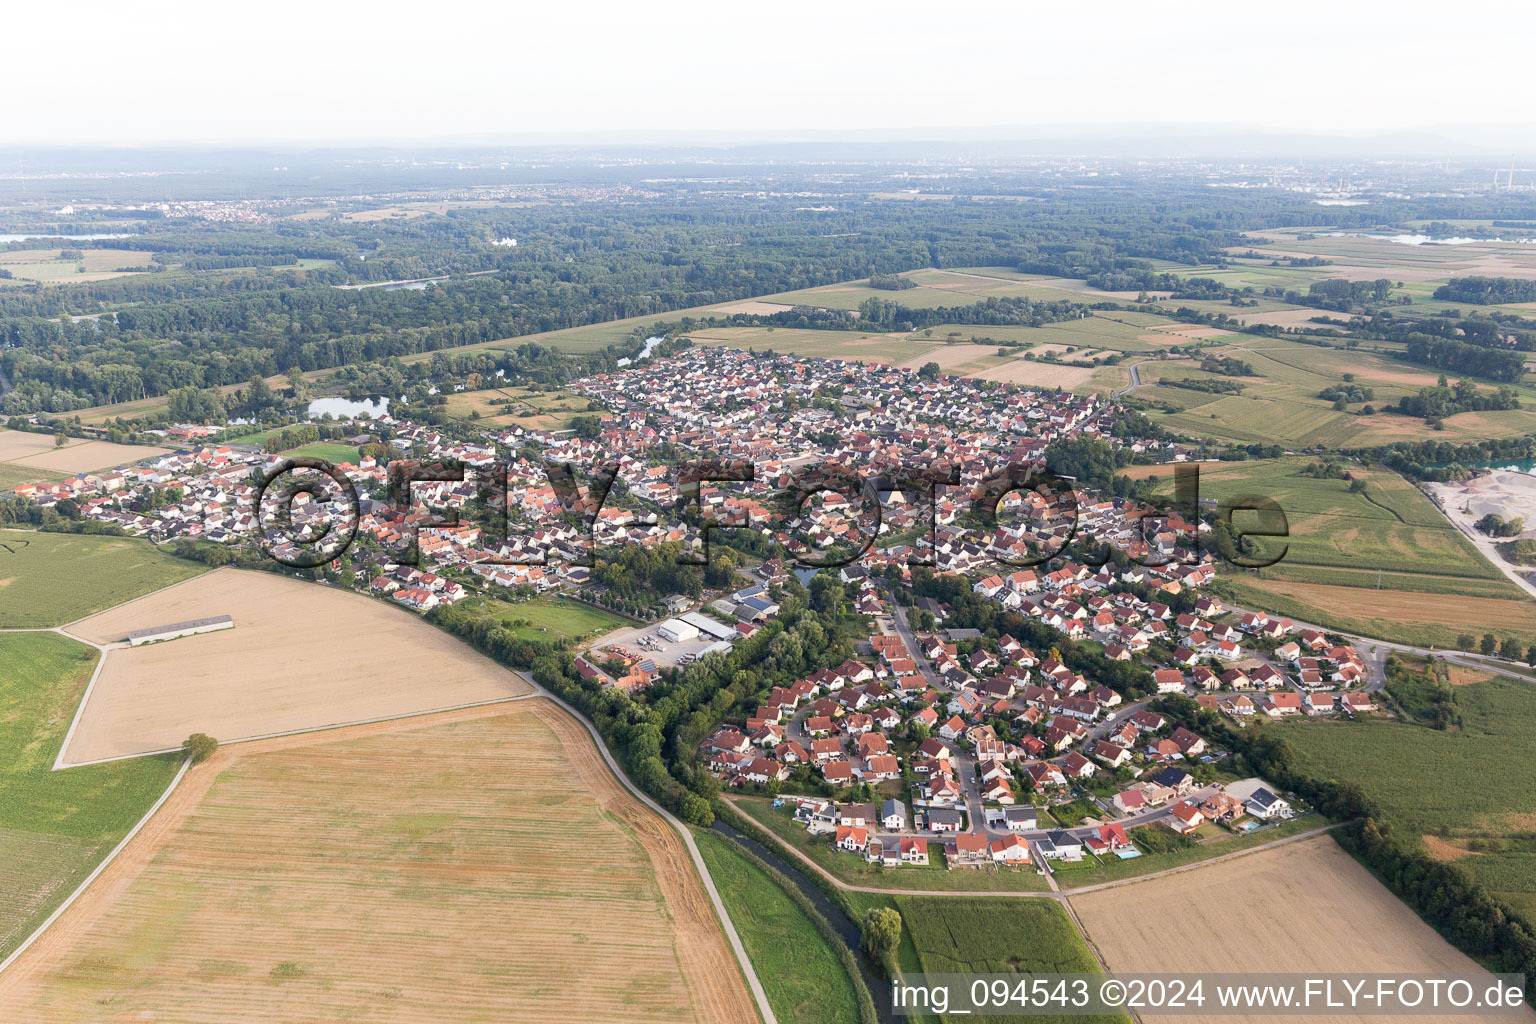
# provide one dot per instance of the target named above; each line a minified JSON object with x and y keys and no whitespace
{"x":155,"y":634}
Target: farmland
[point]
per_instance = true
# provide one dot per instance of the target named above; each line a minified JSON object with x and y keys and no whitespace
{"x":55,"y":826}
{"x":517,"y":406}
{"x":13,"y":476}
{"x":1305,"y":906}
{"x":331,"y":873}
{"x":804,"y":980}
{"x":48,"y":579}
{"x":300,"y":656}
{"x":865,"y":347}
{"x":48,"y":266}
{"x":1343,"y":543}
{"x":330,"y":451}
{"x":572,"y":340}
{"x":1414,"y":616}
{"x":26,"y":456}
{"x":1467,"y":788}
{"x":935,"y":288}
{"x":966,"y":936}
{"x":1390,"y":525}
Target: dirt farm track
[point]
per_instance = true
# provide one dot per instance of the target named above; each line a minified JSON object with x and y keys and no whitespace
{"x":301,"y":656}
{"x":470,"y":865}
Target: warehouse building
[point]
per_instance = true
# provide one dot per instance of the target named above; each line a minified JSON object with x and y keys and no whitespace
{"x":677,"y":631}
{"x":179,"y":629}
{"x":710,"y":627}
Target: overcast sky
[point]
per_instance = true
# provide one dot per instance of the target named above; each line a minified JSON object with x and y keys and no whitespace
{"x":319,"y":71}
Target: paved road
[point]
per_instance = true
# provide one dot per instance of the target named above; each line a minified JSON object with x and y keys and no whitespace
{"x":965,"y":764}
{"x":1135,"y":372}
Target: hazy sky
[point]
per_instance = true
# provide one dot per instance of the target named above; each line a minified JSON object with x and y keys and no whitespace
{"x":324,"y":71}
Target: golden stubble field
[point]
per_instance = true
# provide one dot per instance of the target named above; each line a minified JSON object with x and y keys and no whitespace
{"x":1406,"y":606}
{"x":1303,"y":907}
{"x":301,"y":656}
{"x":27,"y":450}
{"x":476,"y":865}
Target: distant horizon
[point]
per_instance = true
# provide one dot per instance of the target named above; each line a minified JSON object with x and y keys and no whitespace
{"x":1202,"y":142}
{"x":1475,"y":139}
{"x":341,"y":73}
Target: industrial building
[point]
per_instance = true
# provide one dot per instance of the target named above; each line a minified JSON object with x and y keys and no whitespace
{"x":180,"y":629}
{"x":677,"y":631}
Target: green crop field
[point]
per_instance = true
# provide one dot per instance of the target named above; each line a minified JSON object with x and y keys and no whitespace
{"x":801,"y":973}
{"x":935,"y":288}
{"x":55,"y":826}
{"x":1391,"y":525}
{"x":997,"y":936}
{"x":48,"y":579}
{"x":1463,"y":788}
{"x":1280,"y":402}
{"x":1121,"y":332}
{"x":573,"y":340}
{"x":1367,"y":563}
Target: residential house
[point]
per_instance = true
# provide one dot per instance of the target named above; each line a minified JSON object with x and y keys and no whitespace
{"x":1184,"y":818}
{"x":1265,"y":805}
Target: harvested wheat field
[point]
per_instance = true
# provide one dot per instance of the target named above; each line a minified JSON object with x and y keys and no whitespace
{"x":1408,"y":606}
{"x":1188,"y":331}
{"x":477,"y":865}
{"x":1303,"y":907}
{"x":301,"y":656}
{"x":947,"y":356}
{"x":38,"y":451}
{"x":1032,"y":373}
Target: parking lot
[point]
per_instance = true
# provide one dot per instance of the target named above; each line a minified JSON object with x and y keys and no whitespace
{"x":646,"y":642}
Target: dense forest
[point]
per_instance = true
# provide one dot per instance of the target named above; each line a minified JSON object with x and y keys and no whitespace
{"x":1487,"y":291}
{"x":225,"y":303}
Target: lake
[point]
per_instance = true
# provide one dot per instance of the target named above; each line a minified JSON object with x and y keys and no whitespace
{"x":650,"y":345}
{"x":342,"y":408}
